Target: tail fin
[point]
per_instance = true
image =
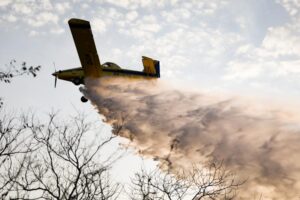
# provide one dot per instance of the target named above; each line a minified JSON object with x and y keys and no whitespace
{"x":157,"y":68}
{"x":151,"y":66}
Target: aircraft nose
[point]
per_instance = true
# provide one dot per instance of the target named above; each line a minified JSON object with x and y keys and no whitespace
{"x":55,"y":74}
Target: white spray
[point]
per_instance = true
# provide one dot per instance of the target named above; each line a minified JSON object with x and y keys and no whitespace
{"x":179,"y":127}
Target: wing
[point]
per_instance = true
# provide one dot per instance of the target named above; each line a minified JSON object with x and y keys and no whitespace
{"x":86,"y":48}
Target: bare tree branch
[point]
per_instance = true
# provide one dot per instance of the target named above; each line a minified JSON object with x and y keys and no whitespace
{"x":12,"y":70}
{"x":67,"y":166}
{"x":15,"y":143}
{"x":201,"y":182}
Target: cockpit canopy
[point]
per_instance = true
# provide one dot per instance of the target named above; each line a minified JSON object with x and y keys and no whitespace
{"x":111,"y":65}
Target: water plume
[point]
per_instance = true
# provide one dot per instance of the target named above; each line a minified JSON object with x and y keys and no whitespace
{"x":178,"y":127}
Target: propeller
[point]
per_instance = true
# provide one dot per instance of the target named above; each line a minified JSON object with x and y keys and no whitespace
{"x":55,"y":80}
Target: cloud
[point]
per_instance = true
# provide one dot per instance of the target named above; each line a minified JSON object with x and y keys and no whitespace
{"x":216,"y":39}
{"x":42,"y":19}
{"x":99,"y":26}
{"x":57,"y":30}
{"x":127,"y":4}
{"x":85,"y":5}
{"x":134,"y":17}
{"x":243,"y":70}
{"x":33,"y":33}
{"x":22,"y":8}
{"x":292,"y":6}
{"x":145,"y":27}
{"x":131,"y":15}
{"x":35,"y":14}
{"x":62,"y":7}
{"x":4,"y":3}
{"x":186,"y":51}
{"x":10,"y":18}
{"x":288,"y":68}
{"x":276,"y":57}
{"x":282,"y":41}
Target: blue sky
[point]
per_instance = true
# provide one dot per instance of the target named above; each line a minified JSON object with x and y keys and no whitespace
{"x":239,"y":46}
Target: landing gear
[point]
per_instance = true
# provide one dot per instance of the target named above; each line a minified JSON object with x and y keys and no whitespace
{"x":83,"y":99}
{"x":76,"y":81}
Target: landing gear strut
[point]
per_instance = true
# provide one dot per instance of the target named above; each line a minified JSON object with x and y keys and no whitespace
{"x":83,"y":99}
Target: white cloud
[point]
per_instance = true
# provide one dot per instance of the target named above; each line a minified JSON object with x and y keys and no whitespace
{"x":288,"y":68}
{"x":169,"y":16}
{"x":150,"y":27}
{"x":145,"y":3}
{"x":119,"y":13}
{"x":99,"y":26}
{"x":22,"y":8}
{"x":184,"y":34}
{"x":10,"y":18}
{"x":85,"y":5}
{"x":35,"y":13}
{"x":57,"y":30}
{"x":123,"y":3}
{"x":208,"y":7}
{"x":62,"y":7}
{"x":43,"y":19}
{"x":277,"y":57}
{"x":33,"y":33}
{"x":131,"y":15}
{"x":175,"y":15}
{"x":282,"y":41}
{"x":292,"y":6}
{"x":243,"y":70}
{"x":44,"y":4}
{"x":4,"y":3}
{"x":181,"y":50}
{"x":142,"y":28}
{"x":136,"y":4}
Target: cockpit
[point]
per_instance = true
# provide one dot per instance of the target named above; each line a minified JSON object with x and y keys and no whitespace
{"x":111,"y":65}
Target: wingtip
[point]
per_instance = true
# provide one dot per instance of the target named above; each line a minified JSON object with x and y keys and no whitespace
{"x":74,"y":22}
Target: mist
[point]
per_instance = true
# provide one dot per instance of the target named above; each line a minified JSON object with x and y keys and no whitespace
{"x":177,"y":127}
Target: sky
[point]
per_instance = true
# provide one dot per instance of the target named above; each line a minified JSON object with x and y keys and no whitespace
{"x":248,"y":48}
{"x":233,"y":45}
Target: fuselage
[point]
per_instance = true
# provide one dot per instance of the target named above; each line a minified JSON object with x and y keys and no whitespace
{"x":76,"y":75}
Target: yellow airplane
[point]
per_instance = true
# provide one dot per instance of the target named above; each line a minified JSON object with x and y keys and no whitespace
{"x":91,"y":66}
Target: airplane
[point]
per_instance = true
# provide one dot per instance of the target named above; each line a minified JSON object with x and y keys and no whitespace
{"x":90,"y":62}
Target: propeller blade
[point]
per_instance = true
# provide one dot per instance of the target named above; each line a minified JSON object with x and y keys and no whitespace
{"x":55,"y":81}
{"x":54,"y":66}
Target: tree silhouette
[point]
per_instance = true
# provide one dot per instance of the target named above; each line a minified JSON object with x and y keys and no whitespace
{"x":13,"y":70}
{"x":200,"y":182}
{"x":15,"y":143}
{"x":67,"y":164}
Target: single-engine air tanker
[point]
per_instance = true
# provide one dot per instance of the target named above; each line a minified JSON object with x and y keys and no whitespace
{"x":91,"y":66}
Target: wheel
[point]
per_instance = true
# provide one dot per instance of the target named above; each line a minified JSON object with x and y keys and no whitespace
{"x":76,"y":81}
{"x":83,"y":99}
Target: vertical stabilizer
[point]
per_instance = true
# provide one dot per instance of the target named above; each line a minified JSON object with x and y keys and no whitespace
{"x":151,"y":66}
